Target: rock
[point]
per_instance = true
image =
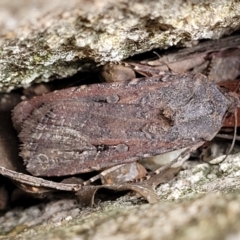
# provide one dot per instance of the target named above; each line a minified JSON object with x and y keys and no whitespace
{"x":40,"y":40}
{"x":210,"y":216}
{"x":202,"y":202}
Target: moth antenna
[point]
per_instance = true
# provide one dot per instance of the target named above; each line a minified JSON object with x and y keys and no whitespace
{"x":169,"y":69}
{"x":157,"y":54}
{"x":234,"y":136}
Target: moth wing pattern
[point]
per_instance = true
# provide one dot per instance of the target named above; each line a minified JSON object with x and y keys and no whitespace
{"x":119,"y":123}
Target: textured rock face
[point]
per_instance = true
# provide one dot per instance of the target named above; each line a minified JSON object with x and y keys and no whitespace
{"x":42,"y":40}
{"x":202,"y":202}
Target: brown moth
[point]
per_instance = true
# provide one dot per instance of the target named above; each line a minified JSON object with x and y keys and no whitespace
{"x":93,"y":127}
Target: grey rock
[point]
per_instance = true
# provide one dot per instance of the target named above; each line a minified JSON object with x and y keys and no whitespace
{"x":202,"y":202}
{"x":40,"y":40}
{"x":211,"y":216}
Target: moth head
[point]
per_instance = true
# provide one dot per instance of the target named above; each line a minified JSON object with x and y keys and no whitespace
{"x":235,"y":101}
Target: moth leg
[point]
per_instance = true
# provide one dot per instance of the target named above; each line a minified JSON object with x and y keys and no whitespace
{"x":120,"y":174}
{"x":98,"y":176}
{"x":36,"y":184}
{"x":179,"y":159}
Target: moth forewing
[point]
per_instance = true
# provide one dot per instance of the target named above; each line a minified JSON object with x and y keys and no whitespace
{"x":102,"y":125}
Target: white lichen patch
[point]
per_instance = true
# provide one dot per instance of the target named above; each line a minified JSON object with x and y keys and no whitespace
{"x":202,"y":178}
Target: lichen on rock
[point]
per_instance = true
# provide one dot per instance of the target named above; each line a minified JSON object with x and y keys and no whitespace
{"x":56,"y":40}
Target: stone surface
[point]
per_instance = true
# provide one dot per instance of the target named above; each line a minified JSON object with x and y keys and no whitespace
{"x":202,"y":202}
{"x":44,"y":40}
{"x":212,"y":216}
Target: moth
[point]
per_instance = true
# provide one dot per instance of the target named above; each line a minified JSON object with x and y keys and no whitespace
{"x":108,"y":125}
{"x":93,"y":127}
